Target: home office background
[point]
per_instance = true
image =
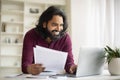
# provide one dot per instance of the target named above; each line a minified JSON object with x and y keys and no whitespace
{"x":91,"y":23}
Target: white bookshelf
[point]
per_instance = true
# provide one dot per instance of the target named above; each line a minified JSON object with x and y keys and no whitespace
{"x":0,"y":36}
{"x":15,"y":20}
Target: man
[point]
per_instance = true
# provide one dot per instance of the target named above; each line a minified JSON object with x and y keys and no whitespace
{"x":50,"y":32}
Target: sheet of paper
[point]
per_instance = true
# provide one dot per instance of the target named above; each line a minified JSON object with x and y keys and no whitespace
{"x":52,"y":60}
{"x":43,"y":75}
{"x":40,"y":76}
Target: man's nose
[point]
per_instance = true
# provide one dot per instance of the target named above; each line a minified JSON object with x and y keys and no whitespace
{"x":58,"y":28}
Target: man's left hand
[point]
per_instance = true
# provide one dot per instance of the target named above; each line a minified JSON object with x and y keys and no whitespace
{"x":73,"y":69}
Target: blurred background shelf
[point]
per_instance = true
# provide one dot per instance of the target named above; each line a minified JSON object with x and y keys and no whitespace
{"x":16,"y":18}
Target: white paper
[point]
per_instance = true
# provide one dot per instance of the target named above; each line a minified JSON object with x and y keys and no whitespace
{"x":52,"y":60}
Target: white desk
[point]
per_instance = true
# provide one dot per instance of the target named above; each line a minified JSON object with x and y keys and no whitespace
{"x":104,"y":76}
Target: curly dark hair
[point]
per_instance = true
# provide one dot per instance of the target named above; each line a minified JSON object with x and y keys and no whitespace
{"x":46,"y":16}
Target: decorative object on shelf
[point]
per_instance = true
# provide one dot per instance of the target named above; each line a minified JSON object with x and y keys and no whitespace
{"x":113,"y":59}
{"x":34,"y":10}
{"x":17,"y":63}
{"x":3,"y":27}
{"x":16,"y":40}
{"x":7,"y":40}
{"x":12,"y":20}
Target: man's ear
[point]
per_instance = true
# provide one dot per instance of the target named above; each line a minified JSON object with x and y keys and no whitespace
{"x":44,"y":25}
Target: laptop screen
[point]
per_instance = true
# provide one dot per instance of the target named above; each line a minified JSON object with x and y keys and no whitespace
{"x":91,"y":61}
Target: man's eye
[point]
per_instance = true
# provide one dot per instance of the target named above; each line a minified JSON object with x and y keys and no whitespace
{"x":57,"y":25}
{"x":54,"y":24}
{"x":61,"y":25}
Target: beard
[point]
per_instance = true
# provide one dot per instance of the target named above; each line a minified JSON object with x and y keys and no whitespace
{"x":53,"y":35}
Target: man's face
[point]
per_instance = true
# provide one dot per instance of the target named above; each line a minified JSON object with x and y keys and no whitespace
{"x":54,"y":26}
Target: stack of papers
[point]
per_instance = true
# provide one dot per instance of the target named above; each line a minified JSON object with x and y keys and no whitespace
{"x":52,"y":60}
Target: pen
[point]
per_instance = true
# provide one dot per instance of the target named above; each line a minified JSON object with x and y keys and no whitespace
{"x":47,"y":71}
{"x":53,"y":76}
{"x":19,"y":74}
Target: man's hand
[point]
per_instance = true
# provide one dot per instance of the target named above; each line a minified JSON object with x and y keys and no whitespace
{"x":35,"y":69}
{"x":73,"y":69}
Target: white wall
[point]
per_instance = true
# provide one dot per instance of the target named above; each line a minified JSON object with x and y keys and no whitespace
{"x":88,"y":17}
{"x":77,"y":19}
{"x":117,"y":23}
{"x":79,"y":11}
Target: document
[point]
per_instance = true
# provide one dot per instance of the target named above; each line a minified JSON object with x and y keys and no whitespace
{"x":52,"y":60}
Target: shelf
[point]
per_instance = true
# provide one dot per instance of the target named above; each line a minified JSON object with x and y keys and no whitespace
{"x":12,"y":12}
{"x":11,"y":44}
{"x":33,"y":15}
{"x":11,"y":33}
{"x":15,"y":1}
{"x":12,"y":22}
{"x":12,"y":67}
{"x":16,"y":55}
{"x":57,"y":2}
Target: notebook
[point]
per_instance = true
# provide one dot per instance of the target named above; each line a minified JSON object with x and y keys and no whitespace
{"x":90,"y":62}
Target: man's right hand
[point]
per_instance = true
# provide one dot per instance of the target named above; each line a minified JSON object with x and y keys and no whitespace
{"x":35,"y":69}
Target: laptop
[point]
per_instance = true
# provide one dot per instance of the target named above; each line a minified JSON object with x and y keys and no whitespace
{"x":90,"y":62}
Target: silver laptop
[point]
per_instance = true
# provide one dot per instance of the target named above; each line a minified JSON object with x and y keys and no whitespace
{"x":90,"y":62}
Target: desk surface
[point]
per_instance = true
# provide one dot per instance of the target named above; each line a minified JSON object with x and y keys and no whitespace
{"x":104,"y":76}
